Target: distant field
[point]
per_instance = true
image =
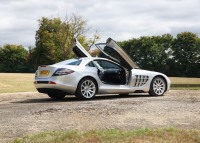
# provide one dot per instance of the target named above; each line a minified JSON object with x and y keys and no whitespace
{"x":185,"y":80}
{"x":16,"y":82}
{"x":22,"y":82}
{"x":185,"y":83}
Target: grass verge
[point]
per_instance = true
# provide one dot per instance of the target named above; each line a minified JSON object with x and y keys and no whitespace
{"x":169,"y":135}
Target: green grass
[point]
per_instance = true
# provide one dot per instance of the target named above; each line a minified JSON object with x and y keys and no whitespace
{"x":22,"y":82}
{"x":182,"y":83}
{"x":169,"y":135}
{"x":16,"y":82}
{"x":184,"y":80}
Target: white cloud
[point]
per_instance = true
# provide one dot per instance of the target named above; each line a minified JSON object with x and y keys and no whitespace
{"x":113,"y":18}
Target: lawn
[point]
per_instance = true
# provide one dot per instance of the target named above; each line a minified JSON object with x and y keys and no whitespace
{"x":16,"y":82}
{"x":169,"y":135}
{"x":23,"y":82}
{"x":184,"y":80}
{"x":185,"y":83}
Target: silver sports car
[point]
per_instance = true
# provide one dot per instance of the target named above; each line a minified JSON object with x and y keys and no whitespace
{"x":112,"y":72}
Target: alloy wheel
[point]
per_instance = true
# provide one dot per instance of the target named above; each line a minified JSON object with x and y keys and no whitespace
{"x":88,"y":89}
{"x":159,"y":86}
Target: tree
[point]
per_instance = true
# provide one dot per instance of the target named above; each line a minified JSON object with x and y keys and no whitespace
{"x":30,"y":60}
{"x":13,"y":58}
{"x":149,"y":52}
{"x":54,"y":38}
{"x":161,"y":51}
{"x":186,"y":53}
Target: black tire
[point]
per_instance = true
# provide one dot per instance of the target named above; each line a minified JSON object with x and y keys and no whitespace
{"x":158,"y":86}
{"x":86,"y":89}
{"x":56,"y":97}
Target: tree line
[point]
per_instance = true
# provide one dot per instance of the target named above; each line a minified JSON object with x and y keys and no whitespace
{"x":174,"y":56}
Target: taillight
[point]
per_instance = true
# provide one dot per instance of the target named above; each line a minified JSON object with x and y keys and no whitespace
{"x":51,"y":82}
{"x":62,"y":71}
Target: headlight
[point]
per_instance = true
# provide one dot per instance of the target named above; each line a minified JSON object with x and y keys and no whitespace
{"x":62,"y":71}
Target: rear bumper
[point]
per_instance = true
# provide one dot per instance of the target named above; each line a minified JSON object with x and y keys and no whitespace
{"x":52,"y":91}
{"x":53,"y":87}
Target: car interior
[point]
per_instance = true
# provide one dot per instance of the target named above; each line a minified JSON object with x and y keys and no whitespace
{"x":110,"y":73}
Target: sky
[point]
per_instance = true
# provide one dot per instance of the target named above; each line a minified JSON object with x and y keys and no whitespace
{"x":119,"y":19}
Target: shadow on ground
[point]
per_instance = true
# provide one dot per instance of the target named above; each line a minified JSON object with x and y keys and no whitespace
{"x":74,"y":99}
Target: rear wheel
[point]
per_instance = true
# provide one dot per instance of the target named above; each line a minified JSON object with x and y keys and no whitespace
{"x":86,"y":89}
{"x":56,"y":97}
{"x":157,"y":87}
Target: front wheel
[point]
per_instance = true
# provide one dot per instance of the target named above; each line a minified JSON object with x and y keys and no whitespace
{"x":86,"y":89}
{"x":157,"y":87}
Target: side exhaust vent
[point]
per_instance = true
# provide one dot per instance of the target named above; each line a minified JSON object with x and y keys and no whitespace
{"x":141,"y":80}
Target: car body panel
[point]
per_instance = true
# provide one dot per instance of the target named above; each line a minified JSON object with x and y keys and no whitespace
{"x":68,"y":83}
{"x":47,"y":81}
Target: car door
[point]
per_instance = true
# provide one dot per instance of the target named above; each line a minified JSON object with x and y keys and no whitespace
{"x":110,"y":73}
{"x":113,"y":51}
{"x":79,"y":50}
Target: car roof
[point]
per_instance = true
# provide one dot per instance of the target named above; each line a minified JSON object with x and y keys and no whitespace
{"x":88,"y":59}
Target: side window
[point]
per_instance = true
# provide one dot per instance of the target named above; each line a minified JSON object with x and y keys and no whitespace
{"x":107,"y":64}
{"x":90,"y":64}
{"x":76,"y":63}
